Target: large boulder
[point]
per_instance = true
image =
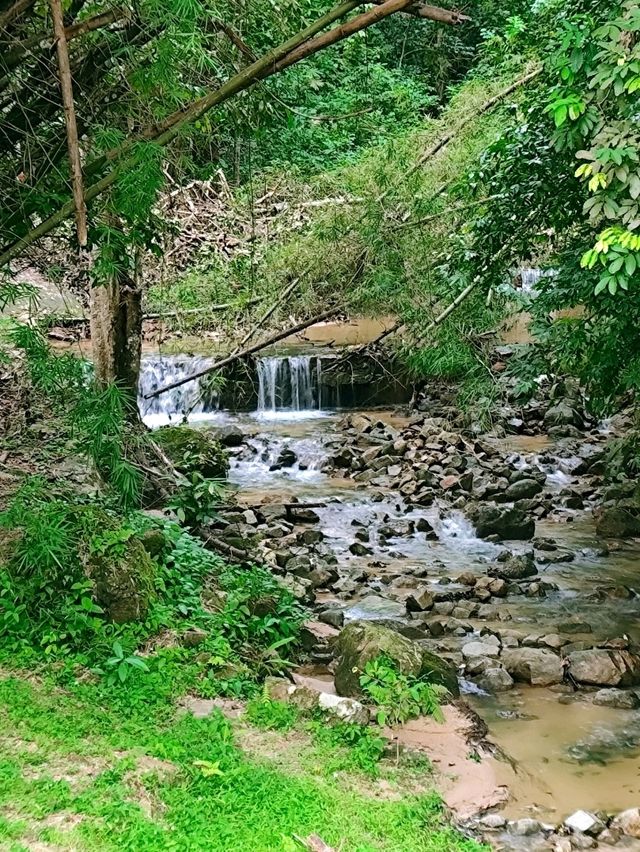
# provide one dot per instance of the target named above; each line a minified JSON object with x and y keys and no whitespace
{"x":193,"y":450}
{"x":523,"y":489}
{"x":617,"y":521}
{"x":505,"y":523}
{"x":515,"y":567}
{"x":533,"y":665}
{"x":603,"y":667}
{"x":563,"y":413}
{"x":362,"y":642}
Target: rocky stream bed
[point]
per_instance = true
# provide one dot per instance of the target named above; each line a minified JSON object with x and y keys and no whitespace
{"x":504,"y":557}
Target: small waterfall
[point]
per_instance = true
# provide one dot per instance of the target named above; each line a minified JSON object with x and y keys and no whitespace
{"x":289,"y":384}
{"x":172,"y":406}
{"x":530,"y":278}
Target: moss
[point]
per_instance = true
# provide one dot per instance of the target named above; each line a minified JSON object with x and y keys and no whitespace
{"x":123,"y":577}
{"x":362,"y":642}
{"x":192,"y":450}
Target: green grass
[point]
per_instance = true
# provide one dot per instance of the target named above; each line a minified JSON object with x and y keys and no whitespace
{"x":80,"y":772}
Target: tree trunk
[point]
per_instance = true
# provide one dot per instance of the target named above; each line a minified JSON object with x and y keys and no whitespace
{"x":116,"y":334}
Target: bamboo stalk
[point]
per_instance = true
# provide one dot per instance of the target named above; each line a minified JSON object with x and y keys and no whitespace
{"x":66,"y":89}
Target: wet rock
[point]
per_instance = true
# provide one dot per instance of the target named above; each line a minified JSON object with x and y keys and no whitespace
{"x":552,"y":640}
{"x":533,"y":665}
{"x":492,"y":822}
{"x":467,"y":579}
{"x":601,"y":667}
{"x":286,"y":458}
{"x":563,"y":413}
{"x":420,"y":600}
{"x":515,"y":567}
{"x":628,"y":822}
{"x":524,"y":489}
{"x":509,"y":523}
{"x":609,"y":837}
{"x":375,"y":608}
{"x":333,"y":617}
{"x":359,"y":549}
{"x":525,"y":827}
{"x":361,"y":642}
{"x":618,"y":698}
{"x":228,"y":436}
{"x":617,"y":522}
{"x":574,"y":625}
{"x":314,"y":633}
{"x":496,"y":680}
{"x":582,"y":841}
{"x":584,"y":822}
{"x":303,"y":515}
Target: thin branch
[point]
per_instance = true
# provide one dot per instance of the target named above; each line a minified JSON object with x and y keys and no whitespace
{"x":14,"y":12}
{"x":434,"y":13}
{"x":66,"y":89}
{"x":11,"y":59}
{"x":412,"y":223}
{"x":256,"y":347}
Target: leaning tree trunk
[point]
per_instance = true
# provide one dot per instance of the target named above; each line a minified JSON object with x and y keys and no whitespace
{"x":116,"y":333}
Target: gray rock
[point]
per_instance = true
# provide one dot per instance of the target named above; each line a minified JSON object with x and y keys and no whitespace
{"x":496,"y":680}
{"x":525,"y":827}
{"x":420,"y":600}
{"x":628,"y":822}
{"x":618,"y":698}
{"x":480,"y":649}
{"x":533,"y":665}
{"x":524,"y":489}
{"x":563,"y":414}
{"x":344,"y":709}
{"x":375,"y":608}
{"x":493,"y":822}
{"x":505,"y":523}
{"x":602,"y":667}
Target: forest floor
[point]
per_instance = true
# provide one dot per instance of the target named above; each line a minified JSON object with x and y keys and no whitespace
{"x":79,"y":772}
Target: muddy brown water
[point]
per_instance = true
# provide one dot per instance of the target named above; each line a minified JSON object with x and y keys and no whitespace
{"x":566,"y":755}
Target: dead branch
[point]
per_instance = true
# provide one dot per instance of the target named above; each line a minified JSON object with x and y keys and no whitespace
{"x":14,"y":12}
{"x":434,"y":13}
{"x":66,"y":89}
{"x":275,"y":338}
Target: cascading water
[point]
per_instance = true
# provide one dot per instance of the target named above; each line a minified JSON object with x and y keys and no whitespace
{"x":174,"y":405}
{"x":290,"y":383}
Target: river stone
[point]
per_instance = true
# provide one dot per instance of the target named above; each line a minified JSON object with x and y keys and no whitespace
{"x":628,"y":822}
{"x":228,"y":436}
{"x":420,"y":600}
{"x":533,"y":665}
{"x":601,"y":667}
{"x":496,"y":680}
{"x":375,"y":608}
{"x":509,"y":523}
{"x":525,"y":827}
{"x":584,"y":822}
{"x":617,"y":522}
{"x":563,"y":414}
{"x":515,"y":567}
{"x":524,"y":489}
{"x":193,"y":450}
{"x":480,"y":649}
{"x":618,"y":698}
{"x":361,"y":642}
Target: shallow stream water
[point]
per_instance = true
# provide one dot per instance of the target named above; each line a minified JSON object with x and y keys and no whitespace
{"x":567,"y":755}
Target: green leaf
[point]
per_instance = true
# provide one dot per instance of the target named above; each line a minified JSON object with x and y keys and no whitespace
{"x":630,"y":264}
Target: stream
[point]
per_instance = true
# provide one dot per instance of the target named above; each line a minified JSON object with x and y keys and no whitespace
{"x":568,"y":753}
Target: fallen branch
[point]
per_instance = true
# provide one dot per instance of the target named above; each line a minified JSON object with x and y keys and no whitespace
{"x":223,"y":306}
{"x":258,"y":325}
{"x":235,"y":356}
{"x":14,"y":12}
{"x":434,"y":13}
{"x":411,"y":223}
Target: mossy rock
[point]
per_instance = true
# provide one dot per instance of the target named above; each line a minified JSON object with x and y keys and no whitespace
{"x":123,"y":580}
{"x":362,"y":642}
{"x":193,"y":450}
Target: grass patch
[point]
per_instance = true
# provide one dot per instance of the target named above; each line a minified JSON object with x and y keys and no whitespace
{"x":77,"y":772}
